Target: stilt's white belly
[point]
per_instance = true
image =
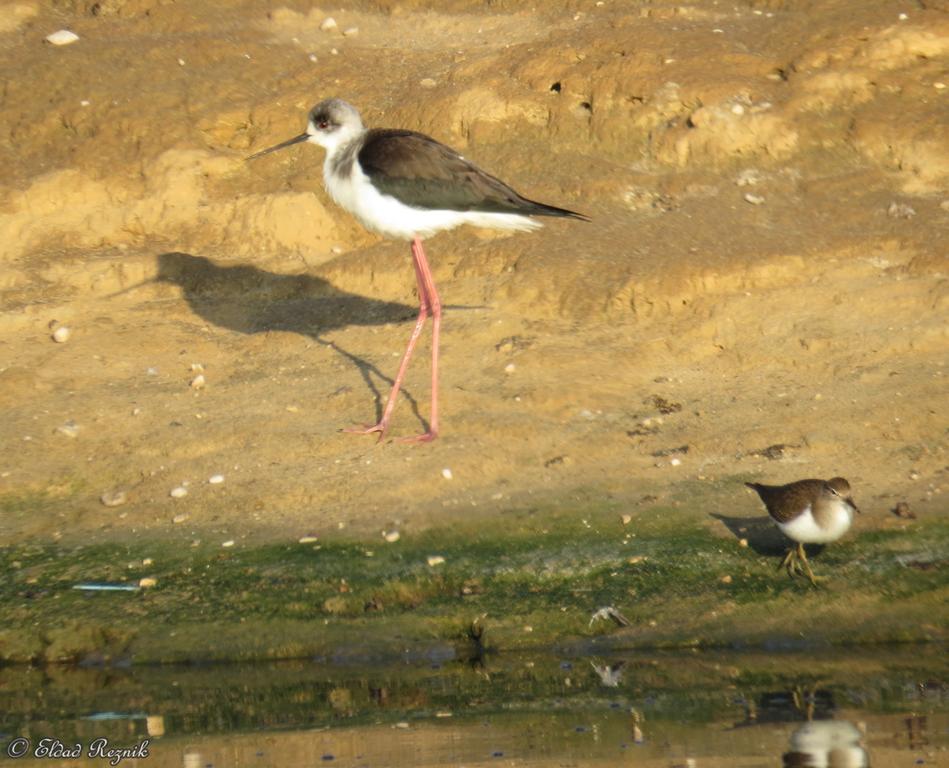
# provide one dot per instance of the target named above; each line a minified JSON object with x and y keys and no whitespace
{"x":387,"y":216}
{"x":805,"y":528}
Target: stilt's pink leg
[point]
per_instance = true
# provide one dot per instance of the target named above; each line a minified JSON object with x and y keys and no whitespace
{"x":423,"y":307}
{"x":431,"y":295}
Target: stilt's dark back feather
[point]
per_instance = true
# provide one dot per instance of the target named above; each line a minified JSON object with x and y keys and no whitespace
{"x":423,"y":173}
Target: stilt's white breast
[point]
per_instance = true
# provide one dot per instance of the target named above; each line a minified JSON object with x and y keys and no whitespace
{"x":389,"y":217}
{"x":834,"y":522}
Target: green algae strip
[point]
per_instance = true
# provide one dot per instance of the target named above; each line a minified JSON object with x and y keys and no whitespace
{"x":524,"y":579}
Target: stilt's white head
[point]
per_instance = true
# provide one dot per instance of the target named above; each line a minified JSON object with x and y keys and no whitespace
{"x":332,"y":123}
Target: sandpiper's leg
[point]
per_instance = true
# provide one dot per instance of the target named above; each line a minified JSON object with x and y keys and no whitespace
{"x":802,"y":559}
{"x":423,"y":307}
{"x":788,"y":562}
{"x":427,"y":287}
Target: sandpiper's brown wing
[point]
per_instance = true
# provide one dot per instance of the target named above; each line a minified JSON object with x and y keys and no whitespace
{"x":423,"y":173}
{"x":784,"y":502}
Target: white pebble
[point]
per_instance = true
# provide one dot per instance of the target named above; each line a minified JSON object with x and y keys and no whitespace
{"x":446,"y":473}
{"x":334,"y":51}
{"x":114,"y":498}
{"x":198,"y":381}
{"x":939,"y":86}
{"x":178,"y":493}
{"x":328,"y":23}
{"x":179,"y":519}
{"x":312,"y":57}
{"x":216,"y":479}
{"x":627,"y":519}
{"x":902,"y":17}
{"x":62,"y":37}
{"x":181,"y":62}
{"x":197,"y":367}
{"x":427,"y":82}
{"x":675,"y":462}
{"x":753,"y":199}
{"x":509,"y":368}
{"x":147,"y":582}
{"x":738,"y":109}
{"x":434,"y":560}
{"x":391,"y":536}
{"x":308,"y":539}
{"x":351,"y":32}
{"x":228,"y":543}
{"x":61,"y":335}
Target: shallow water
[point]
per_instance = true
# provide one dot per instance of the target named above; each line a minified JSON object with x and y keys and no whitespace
{"x":841,"y":709}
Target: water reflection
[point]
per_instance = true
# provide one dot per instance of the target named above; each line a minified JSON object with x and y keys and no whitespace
{"x":705,"y":709}
{"x":826,"y":744}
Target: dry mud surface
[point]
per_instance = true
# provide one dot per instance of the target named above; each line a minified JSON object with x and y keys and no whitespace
{"x":761,"y":293}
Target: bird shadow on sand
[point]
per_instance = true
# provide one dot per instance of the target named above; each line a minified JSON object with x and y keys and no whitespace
{"x":760,"y":532}
{"x":249,"y":300}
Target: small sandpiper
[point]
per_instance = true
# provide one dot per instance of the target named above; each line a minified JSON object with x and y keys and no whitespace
{"x":808,"y":512}
{"x":407,"y":186}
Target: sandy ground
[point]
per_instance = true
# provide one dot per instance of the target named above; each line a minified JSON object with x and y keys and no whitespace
{"x":761,"y":293}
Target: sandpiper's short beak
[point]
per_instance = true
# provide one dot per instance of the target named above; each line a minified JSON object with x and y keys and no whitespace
{"x":281,"y":145}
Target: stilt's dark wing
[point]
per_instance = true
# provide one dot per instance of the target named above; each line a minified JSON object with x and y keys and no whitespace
{"x":422,"y":173}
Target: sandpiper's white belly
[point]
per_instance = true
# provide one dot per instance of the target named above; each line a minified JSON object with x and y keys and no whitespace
{"x":387,"y":216}
{"x":806,"y":529}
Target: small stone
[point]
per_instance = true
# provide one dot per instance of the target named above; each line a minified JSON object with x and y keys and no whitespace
{"x":627,"y":519}
{"x":636,"y":559}
{"x":216,"y":479}
{"x":391,"y":536}
{"x":753,"y":199}
{"x":351,"y":32}
{"x":742,"y":542}
{"x":738,"y":109}
{"x":312,"y":57}
{"x":675,"y":462}
{"x":178,"y":493}
{"x":308,"y":539}
{"x":147,"y":582}
{"x":900,"y":211}
{"x":509,"y":368}
{"x":61,"y":335}
{"x":446,"y":473}
{"x":228,"y":543}
{"x":434,"y":560}
{"x":62,"y":37}
{"x":179,"y":519}
{"x":939,"y":86}
{"x":427,"y":82}
{"x":726,"y":579}
{"x":328,"y":23}
{"x":198,"y":381}
{"x":902,"y":510}
{"x":181,"y":62}
{"x":69,"y":429}
{"x":114,"y":498}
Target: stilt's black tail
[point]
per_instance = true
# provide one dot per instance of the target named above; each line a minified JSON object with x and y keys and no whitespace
{"x":542,"y":209}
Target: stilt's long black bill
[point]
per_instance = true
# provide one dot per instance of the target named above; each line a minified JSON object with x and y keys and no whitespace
{"x":282,"y":145}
